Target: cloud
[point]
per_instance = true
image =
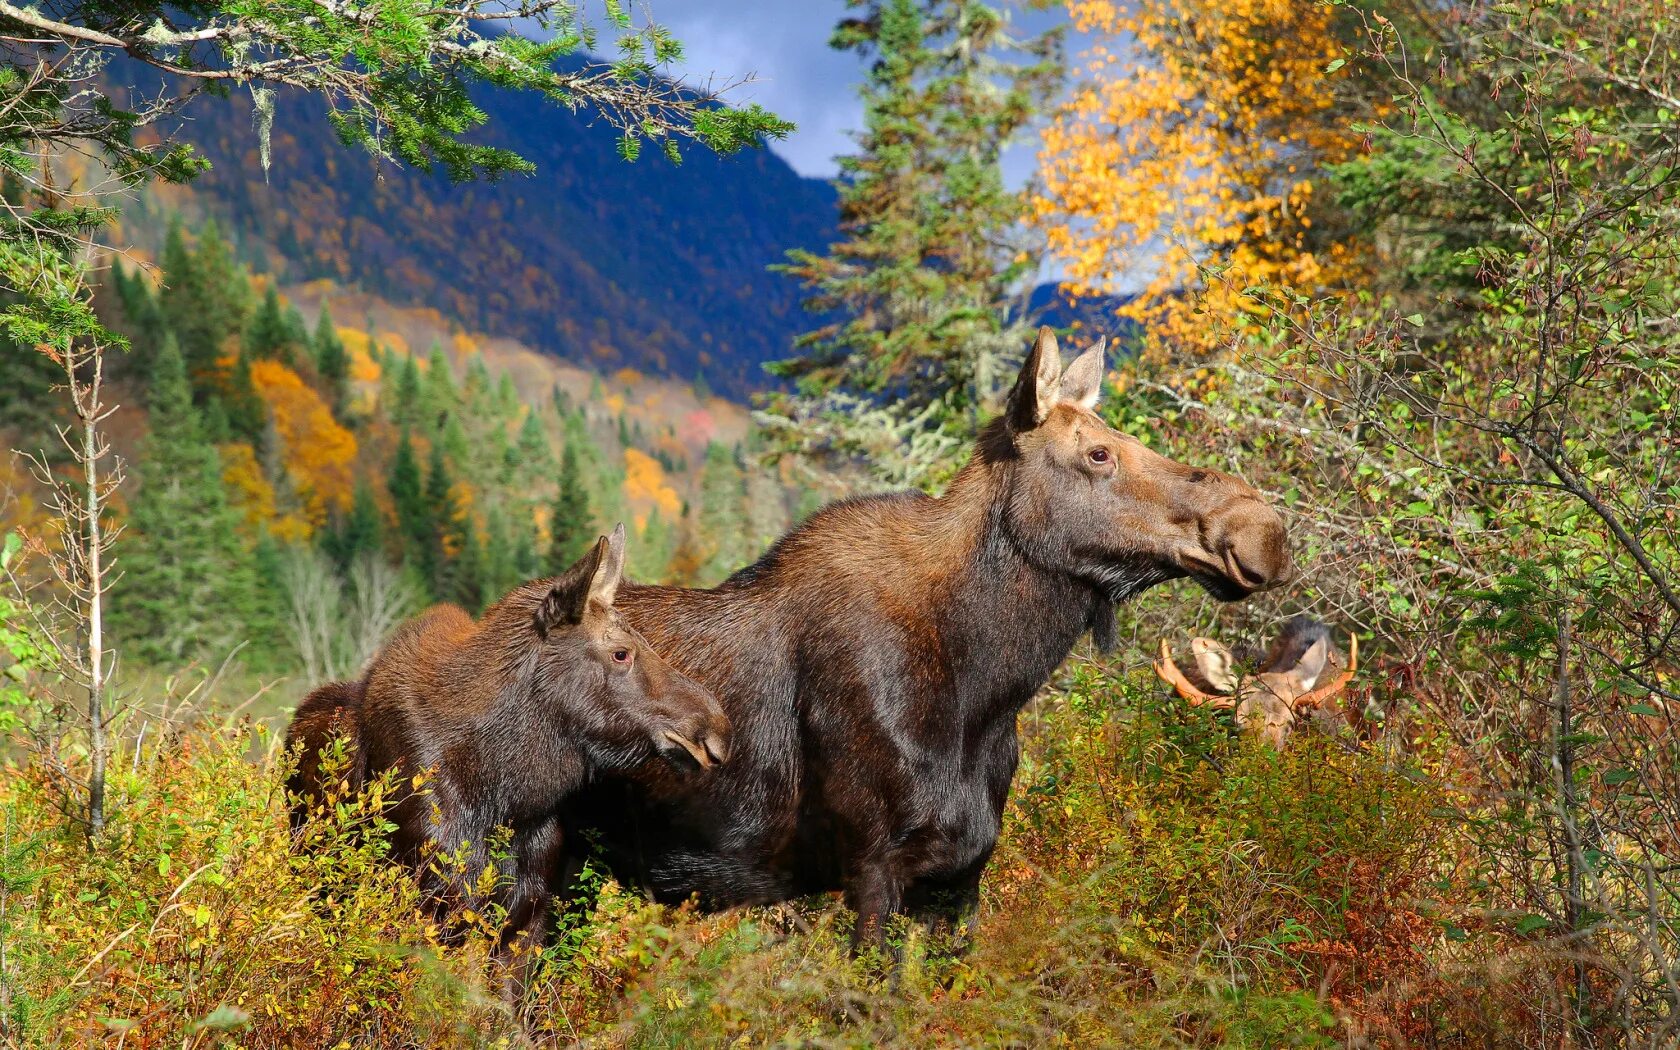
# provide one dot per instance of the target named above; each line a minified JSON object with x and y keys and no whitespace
{"x":783,"y":44}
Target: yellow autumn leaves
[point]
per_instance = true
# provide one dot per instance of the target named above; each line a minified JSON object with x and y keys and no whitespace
{"x":1183,"y":162}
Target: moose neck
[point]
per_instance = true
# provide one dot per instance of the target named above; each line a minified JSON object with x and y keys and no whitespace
{"x":1012,"y":619}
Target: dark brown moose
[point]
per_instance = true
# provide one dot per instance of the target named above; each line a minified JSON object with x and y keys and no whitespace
{"x":1288,"y":688}
{"x":873,"y":662}
{"x":501,"y":719}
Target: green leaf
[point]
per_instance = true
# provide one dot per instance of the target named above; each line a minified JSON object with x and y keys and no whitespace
{"x":1530,"y":923}
{"x":1335,"y":64}
{"x":223,"y":1018}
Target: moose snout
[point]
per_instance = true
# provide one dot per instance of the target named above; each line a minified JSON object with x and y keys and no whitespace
{"x":1255,"y":547}
{"x":702,"y":735}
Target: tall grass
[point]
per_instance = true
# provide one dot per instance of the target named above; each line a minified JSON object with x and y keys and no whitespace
{"x":1159,"y":883}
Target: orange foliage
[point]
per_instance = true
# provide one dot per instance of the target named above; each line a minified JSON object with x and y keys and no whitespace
{"x":253,"y":497}
{"x":317,"y":451}
{"x":1199,"y":152}
{"x":644,"y":482}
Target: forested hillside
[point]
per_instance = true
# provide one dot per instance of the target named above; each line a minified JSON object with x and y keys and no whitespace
{"x":607,"y":264}
{"x":298,"y":485}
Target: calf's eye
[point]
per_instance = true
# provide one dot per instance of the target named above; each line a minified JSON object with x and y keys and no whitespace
{"x":1098,"y":455}
{"x":621,"y":656}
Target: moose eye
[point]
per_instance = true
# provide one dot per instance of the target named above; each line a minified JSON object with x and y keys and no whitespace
{"x":1098,"y":455}
{"x":621,"y":656}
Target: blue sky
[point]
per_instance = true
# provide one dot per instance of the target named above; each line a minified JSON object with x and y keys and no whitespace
{"x":785,"y":44}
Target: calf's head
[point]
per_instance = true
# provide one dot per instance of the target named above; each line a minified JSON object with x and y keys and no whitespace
{"x":606,"y":686}
{"x":1087,"y":500}
{"x":1293,"y":680}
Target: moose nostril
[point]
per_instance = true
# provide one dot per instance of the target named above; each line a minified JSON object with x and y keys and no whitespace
{"x":716,"y":746}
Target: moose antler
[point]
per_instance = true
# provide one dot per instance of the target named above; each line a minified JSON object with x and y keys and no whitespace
{"x":1170,"y":674}
{"x":1317,"y":697}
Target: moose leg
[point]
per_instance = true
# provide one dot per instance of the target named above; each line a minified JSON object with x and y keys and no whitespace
{"x":574,"y":899}
{"x":876,"y":893}
{"x":947,"y":904}
{"x":529,"y":905}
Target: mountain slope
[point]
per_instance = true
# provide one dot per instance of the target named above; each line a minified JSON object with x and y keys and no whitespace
{"x":600,"y":262}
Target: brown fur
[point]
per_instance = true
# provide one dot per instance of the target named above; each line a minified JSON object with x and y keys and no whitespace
{"x":330,"y":711}
{"x":873,"y":661}
{"x":499,"y":720}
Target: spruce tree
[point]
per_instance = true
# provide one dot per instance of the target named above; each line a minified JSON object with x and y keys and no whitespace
{"x":453,"y":439}
{"x":268,"y":336}
{"x":203,"y":302}
{"x":246,"y":416}
{"x":570,"y":528}
{"x":528,"y":564}
{"x":501,"y":568}
{"x":532,"y":456}
{"x":332,"y":363}
{"x":925,"y":287}
{"x":407,"y":488}
{"x":651,"y":555}
{"x":360,"y":530}
{"x":188,"y":586}
{"x":405,"y":412}
{"x":142,"y":319}
{"x":297,"y":330}
{"x":507,"y":395}
{"x":438,"y":397}
{"x":27,"y":379}
{"x":722,"y":524}
{"x":467,"y":576}
{"x":442,"y":519}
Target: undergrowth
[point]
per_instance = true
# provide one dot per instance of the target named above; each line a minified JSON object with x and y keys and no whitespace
{"x":1158,"y":883}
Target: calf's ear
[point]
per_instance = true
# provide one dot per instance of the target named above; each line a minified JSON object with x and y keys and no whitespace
{"x":1035,"y":388}
{"x":1306,"y":672}
{"x":1216,"y":664}
{"x":568,"y":599}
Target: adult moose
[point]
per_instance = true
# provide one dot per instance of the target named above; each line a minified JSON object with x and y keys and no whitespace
{"x":874,"y":660}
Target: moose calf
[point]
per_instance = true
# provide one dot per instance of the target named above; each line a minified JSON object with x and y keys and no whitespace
{"x":507,"y":716}
{"x":1281,"y":692}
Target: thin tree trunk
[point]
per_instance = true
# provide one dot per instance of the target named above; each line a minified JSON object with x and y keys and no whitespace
{"x":1574,"y":860}
{"x":96,"y":597}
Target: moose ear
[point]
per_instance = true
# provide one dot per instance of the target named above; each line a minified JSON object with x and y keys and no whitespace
{"x":1215,"y":663}
{"x":1035,"y":388}
{"x":603,"y":584}
{"x":1306,"y":672}
{"x":1082,"y":382}
{"x":565,"y":602}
